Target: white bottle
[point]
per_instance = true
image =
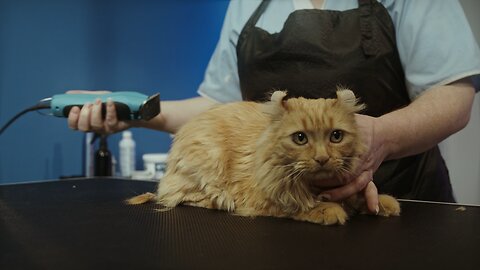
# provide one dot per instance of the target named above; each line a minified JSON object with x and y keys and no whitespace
{"x":127,"y":154}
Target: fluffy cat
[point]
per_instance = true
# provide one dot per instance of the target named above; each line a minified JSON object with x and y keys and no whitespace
{"x":260,"y":159}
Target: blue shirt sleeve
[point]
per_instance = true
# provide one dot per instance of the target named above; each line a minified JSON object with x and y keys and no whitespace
{"x":221,"y":81}
{"x":435,"y":43}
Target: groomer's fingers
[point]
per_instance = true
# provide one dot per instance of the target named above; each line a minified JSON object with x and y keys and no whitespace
{"x":111,"y":120}
{"x":96,"y":121}
{"x":73,"y":117}
{"x":111,"y":116}
{"x":84,"y":119}
{"x":355,"y":186}
{"x":371,"y":197}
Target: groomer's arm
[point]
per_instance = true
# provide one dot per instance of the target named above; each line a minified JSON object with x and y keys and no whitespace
{"x":436,"y":114}
{"x":431,"y":118}
{"x":173,"y":115}
{"x":176,"y":113}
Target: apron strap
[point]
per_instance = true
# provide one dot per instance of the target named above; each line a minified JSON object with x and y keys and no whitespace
{"x":366,"y":11}
{"x":256,"y":15}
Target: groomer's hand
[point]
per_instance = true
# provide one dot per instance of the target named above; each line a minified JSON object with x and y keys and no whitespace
{"x":89,"y":117}
{"x":361,"y":181}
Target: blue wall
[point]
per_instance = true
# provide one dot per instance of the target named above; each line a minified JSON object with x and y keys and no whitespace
{"x":50,"y":46}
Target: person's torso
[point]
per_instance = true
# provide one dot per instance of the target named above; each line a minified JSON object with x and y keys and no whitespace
{"x":318,"y":51}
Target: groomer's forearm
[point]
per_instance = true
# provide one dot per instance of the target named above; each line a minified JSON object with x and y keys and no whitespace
{"x":432,"y":117}
{"x":174,"y":114}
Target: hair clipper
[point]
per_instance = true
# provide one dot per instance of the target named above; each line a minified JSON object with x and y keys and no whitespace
{"x":128,"y":105}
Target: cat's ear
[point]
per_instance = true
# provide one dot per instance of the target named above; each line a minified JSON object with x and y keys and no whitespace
{"x":277,"y":104}
{"x":348,"y":99}
{"x":278,"y":97}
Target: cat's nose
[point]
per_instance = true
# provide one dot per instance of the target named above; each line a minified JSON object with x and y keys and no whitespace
{"x":321,"y":160}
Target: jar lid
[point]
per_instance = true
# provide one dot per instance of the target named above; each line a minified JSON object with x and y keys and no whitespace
{"x":155,"y":157}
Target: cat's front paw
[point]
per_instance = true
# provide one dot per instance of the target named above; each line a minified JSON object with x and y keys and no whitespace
{"x":334,"y":214}
{"x":388,"y":206}
{"x":326,"y":213}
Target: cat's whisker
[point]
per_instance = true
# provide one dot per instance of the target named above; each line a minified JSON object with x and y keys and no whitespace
{"x":343,"y":172}
{"x":289,"y":170}
{"x":298,"y":175}
{"x":301,"y":174}
{"x":301,"y":165}
{"x":294,"y":175}
{"x":342,"y":168}
{"x":293,"y":171}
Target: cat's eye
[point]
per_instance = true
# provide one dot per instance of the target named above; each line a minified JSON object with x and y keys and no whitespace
{"x":336,"y":136}
{"x":299,"y":138}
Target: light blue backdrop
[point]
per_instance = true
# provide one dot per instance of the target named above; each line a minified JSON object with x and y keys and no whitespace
{"x":50,"y":46}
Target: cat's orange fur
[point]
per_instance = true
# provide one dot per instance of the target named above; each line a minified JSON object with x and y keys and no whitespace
{"x":250,"y":159}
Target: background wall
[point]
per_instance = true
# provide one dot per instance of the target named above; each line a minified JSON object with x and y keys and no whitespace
{"x":50,"y":46}
{"x":462,"y":150}
{"x":47,"y":47}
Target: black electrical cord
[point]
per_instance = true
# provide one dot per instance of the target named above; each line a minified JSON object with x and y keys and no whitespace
{"x":39,"y":106}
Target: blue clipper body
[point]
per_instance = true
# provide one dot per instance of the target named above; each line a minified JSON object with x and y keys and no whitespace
{"x":128,"y":105}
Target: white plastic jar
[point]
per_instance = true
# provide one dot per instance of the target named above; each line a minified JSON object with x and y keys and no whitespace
{"x":155,"y":164}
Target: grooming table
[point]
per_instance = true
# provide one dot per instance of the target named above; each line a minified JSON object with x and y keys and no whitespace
{"x":84,"y":224}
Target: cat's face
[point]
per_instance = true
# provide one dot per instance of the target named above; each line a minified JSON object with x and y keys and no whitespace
{"x":318,"y":138}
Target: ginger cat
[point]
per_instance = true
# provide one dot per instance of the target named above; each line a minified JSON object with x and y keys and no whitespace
{"x":260,"y":159}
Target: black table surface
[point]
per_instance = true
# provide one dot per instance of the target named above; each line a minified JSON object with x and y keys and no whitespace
{"x":84,"y":224}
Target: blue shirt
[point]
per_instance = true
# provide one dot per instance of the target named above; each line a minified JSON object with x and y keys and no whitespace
{"x":435,"y":42}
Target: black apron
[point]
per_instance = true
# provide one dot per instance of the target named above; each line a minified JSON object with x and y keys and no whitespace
{"x":318,"y":50}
